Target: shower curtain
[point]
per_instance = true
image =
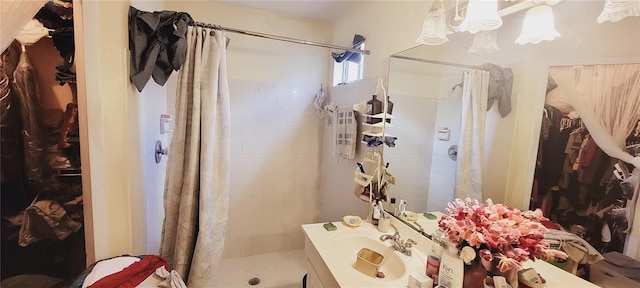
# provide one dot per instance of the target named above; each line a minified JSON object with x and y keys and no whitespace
{"x":196,"y":194}
{"x":469,"y":172}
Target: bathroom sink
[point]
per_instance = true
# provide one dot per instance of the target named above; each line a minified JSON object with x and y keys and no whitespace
{"x":332,"y":256}
{"x":348,"y":243}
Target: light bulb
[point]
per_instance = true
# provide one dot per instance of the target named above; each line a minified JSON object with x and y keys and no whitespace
{"x":485,"y":42}
{"x":538,"y":25}
{"x":482,"y":15}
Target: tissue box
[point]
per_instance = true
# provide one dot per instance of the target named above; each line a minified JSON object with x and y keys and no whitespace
{"x":420,"y":281}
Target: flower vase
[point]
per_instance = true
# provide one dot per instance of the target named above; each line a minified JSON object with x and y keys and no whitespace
{"x":510,"y":275}
{"x":474,"y":275}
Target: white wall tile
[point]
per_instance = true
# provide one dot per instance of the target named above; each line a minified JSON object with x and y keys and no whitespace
{"x":336,"y":182}
{"x":152,"y":103}
{"x":274,"y":164}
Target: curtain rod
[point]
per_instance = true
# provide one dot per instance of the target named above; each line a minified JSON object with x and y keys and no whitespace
{"x":279,"y":38}
{"x":439,"y":62}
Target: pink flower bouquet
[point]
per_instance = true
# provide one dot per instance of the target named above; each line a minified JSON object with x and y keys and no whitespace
{"x":496,"y":231}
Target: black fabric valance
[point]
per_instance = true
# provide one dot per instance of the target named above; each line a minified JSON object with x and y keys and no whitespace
{"x":350,"y":56}
{"x":158,"y":44}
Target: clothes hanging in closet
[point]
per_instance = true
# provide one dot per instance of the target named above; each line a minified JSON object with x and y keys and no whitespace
{"x":575,"y":177}
{"x":571,"y":151}
{"x":58,"y":17}
{"x":550,"y":153}
{"x":11,"y":150}
{"x":20,"y":98}
{"x":25,"y":86}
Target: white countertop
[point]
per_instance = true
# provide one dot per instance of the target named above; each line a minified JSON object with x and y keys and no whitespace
{"x":554,"y":276}
{"x":343,"y":272}
{"x":341,"y":266}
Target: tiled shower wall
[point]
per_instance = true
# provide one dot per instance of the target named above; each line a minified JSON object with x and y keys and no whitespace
{"x":410,"y":160}
{"x":275,"y":152}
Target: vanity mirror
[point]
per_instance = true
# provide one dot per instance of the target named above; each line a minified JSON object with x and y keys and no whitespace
{"x":428,"y":107}
{"x":428,"y":101}
{"x":425,"y":173}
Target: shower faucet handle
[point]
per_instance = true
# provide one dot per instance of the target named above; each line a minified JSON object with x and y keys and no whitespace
{"x":160,"y":151}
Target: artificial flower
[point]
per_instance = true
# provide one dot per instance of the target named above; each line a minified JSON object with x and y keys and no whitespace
{"x":505,"y":263}
{"x":496,"y":231}
{"x":467,"y":254}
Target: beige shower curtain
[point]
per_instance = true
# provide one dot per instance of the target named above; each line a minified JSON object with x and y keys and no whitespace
{"x":196,"y":194}
{"x":470,"y":168}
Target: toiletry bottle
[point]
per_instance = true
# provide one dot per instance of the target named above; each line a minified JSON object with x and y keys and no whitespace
{"x":392,"y":207}
{"x":401,"y":208}
{"x":389,"y":108}
{"x":374,"y":106}
{"x":376,"y":212}
{"x":451,"y":272}
{"x":433,"y":260}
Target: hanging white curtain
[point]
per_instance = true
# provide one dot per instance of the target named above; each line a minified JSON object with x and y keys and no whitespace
{"x":197,"y":183}
{"x":15,"y":15}
{"x":607,"y":98}
{"x":470,"y":169}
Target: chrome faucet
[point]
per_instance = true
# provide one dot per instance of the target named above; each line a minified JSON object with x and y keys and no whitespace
{"x":400,"y":245}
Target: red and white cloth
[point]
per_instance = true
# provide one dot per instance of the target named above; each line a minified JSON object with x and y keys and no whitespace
{"x":129,"y":272}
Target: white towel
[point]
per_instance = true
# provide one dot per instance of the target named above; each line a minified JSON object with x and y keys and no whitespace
{"x":346,"y":129}
{"x":585,"y":253}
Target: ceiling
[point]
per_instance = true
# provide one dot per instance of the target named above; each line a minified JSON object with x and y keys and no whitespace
{"x":327,"y":10}
{"x":331,"y":10}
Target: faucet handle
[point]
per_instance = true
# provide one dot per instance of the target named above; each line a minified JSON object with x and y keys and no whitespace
{"x":410,"y":242}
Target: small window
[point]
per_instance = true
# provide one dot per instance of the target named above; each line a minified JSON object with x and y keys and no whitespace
{"x":349,"y":70}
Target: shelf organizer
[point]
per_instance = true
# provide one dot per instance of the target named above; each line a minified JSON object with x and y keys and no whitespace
{"x":369,"y":179}
{"x":376,"y":175}
{"x":377,"y":129}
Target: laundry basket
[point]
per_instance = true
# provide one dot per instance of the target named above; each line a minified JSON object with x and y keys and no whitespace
{"x":369,"y":262}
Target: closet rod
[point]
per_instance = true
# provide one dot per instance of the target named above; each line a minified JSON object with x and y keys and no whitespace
{"x":279,"y":38}
{"x":438,"y":62}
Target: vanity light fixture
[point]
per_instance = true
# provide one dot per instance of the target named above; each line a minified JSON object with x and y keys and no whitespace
{"x":434,"y":30}
{"x":482,"y":15}
{"x":538,"y":26}
{"x":485,"y":42}
{"x":616,"y":10}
